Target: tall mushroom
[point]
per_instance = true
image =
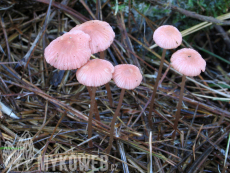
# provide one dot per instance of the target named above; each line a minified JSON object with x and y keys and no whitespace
{"x":166,"y":37}
{"x":69,"y":51}
{"x":102,"y":35}
{"x":94,"y":73}
{"x":190,"y":63}
{"x":125,"y":76}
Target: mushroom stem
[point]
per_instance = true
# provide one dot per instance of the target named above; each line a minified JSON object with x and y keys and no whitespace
{"x":114,"y":120}
{"x":97,"y":116}
{"x":102,"y":56}
{"x":91,"y":115}
{"x":179,"y":106}
{"x":155,"y":89}
{"x":109,"y":94}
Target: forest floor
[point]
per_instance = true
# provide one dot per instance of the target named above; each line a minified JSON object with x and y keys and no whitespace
{"x":44,"y":111}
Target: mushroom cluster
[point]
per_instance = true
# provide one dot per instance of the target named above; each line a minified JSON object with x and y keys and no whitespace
{"x":73,"y":50}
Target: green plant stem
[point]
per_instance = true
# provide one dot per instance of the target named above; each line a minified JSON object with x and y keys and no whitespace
{"x":179,"y":107}
{"x":114,"y":120}
{"x":155,"y":90}
{"x":91,"y":115}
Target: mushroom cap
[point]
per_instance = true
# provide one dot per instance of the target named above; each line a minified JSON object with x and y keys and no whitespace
{"x":69,"y":51}
{"x":127,"y":76}
{"x":188,"y":62}
{"x":95,"y":73}
{"x":167,"y":37}
{"x":100,"y":32}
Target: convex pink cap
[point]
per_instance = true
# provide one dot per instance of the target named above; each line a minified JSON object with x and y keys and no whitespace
{"x":100,"y":32}
{"x":167,"y":37}
{"x":69,"y":51}
{"x":95,"y":73}
{"x":127,"y":76}
{"x":188,"y":62}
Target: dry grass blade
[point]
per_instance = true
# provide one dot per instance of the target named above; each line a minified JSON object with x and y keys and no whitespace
{"x":194,"y":145}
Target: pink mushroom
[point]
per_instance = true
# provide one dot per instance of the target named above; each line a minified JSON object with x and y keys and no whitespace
{"x":167,"y":37}
{"x":190,"y":63}
{"x":93,"y":74}
{"x":69,"y":51}
{"x":125,"y":76}
{"x":100,"y":32}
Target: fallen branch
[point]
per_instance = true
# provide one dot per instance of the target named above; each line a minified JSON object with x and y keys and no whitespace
{"x":191,"y":13}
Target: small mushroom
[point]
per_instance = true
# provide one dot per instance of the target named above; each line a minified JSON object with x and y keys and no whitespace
{"x":125,"y":76}
{"x":190,"y":63}
{"x":167,"y":37}
{"x":93,"y":74}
